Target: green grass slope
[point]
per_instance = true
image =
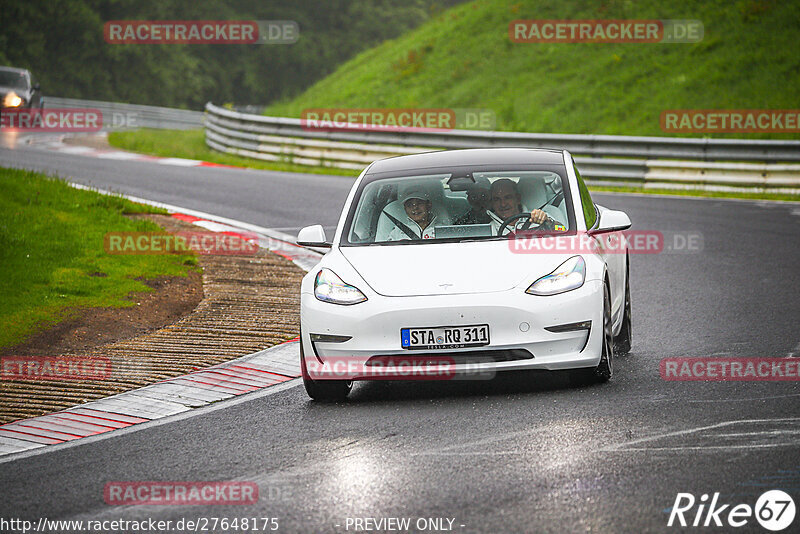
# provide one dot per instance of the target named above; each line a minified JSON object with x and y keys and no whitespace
{"x":749,"y":59}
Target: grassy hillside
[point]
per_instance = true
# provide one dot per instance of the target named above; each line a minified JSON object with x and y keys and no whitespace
{"x":748,"y":59}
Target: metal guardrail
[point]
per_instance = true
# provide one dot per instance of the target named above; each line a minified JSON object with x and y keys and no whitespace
{"x":590,"y":145}
{"x":601,"y":158}
{"x":125,"y":116}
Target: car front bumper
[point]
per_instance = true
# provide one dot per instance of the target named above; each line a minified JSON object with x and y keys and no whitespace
{"x":516,"y":321}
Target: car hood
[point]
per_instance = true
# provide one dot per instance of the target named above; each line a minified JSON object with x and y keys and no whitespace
{"x":22,"y":93}
{"x":447,"y":268}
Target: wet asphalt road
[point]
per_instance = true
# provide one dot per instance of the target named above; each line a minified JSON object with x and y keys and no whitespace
{"x":522,"y":453}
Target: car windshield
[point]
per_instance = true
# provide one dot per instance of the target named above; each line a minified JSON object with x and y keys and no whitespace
{"x":457,"y":206}
{"x":14,"y":79}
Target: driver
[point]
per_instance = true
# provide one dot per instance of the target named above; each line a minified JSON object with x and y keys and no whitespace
{"x":506,"y":201}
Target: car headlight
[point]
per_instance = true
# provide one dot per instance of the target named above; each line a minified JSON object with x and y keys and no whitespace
{"x":566,"y":277}
{"x":12,"y":100}
{"x":329,"y":288}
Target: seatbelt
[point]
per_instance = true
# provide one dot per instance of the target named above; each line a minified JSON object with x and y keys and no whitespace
{"x":494,"y":217}
{"x":406,"y":230}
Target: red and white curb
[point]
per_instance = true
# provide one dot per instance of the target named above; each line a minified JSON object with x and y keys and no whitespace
{"x":57,"y":144}
{"x":249,"y":373}
{"x":280,"y":243}
{"x":271,"y":240}
{"x":162,"y":399}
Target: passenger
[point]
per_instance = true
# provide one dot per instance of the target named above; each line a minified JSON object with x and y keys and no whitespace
{"x":420,"y":217}
{"x":478,"y":198}
{"x":506,"y":201}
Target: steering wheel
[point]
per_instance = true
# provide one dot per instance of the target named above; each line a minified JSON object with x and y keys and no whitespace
{"x":514,"y":218}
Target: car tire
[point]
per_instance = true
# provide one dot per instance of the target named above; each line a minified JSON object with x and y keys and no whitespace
{"x":323,"y":390}
{"x":605,"y":369}
{"x":622,"y":342}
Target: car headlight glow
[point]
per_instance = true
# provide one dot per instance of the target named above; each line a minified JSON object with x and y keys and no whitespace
{"x":329,"y":288}
{"x":566,"y":277}
{"x":12,"y":100}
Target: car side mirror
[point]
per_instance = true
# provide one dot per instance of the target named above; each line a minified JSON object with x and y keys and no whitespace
{"x":37,"y":87}
{"x":612,"y":221}
{"x":313,"y":236}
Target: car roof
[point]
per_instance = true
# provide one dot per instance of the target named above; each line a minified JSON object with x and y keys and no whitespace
{"x":470,"y":157}
{"x":14,"y":69}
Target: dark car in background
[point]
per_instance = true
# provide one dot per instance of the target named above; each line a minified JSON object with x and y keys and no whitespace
{"x":18,"y":89}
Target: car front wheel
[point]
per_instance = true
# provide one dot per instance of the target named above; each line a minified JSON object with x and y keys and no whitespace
{"x":323,"y":390}
{"x":605,"y":369}
{"x":622,"y":343}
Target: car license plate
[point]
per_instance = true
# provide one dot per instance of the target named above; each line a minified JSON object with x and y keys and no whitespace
{"x":444,"y":337}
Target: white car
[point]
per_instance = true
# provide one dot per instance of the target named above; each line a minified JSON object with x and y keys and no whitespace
{"x":465,"y":262}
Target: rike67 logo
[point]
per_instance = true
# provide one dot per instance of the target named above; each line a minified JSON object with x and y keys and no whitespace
{"x":774,"y":510}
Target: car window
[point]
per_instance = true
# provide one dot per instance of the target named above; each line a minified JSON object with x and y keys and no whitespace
{"x":13,"y":79}
{"x":589,"y":209}
{"x":452,"y":206}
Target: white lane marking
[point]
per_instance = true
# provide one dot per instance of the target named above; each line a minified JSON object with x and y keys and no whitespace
{"x":76,"y":149}
{"x":203,"y":215}
{"x":758,"y":433}
{"x":180,"y":162}
{"x":742,"y":400}
{"x":705,"y":447}
{"x":626,"y":446}
{"x":448,"y":450}
{"x":304,"y":258}
{"x":117,"y":155}
{"x":157,"y":422}
{"x":293,"y":229}
{"x":58,"y":145}
{"x":215,"y":226}
{"x":636,"y":449}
